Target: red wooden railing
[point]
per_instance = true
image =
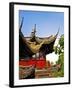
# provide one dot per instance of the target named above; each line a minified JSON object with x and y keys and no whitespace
{"x":37,"y":63}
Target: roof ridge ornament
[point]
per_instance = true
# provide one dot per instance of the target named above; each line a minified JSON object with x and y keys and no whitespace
{"x":34,"y":29}
{"x":21,"y":24}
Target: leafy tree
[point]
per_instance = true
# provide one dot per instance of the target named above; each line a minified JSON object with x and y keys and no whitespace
{"x":61,"y":41}
{"x":60,"y":47}
{"x":60,"y":50}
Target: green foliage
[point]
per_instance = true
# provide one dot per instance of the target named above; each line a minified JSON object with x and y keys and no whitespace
{"x":61,"y":41}
{"x":60,"y":50}
{"x":61,"y":61}
{"x":55,"y":49}
{"x":60,"y":72}
{"x":60,"y":47}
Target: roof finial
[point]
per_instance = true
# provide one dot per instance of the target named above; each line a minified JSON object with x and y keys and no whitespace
{"x":34,"y":29}
{"x":21,"y":24}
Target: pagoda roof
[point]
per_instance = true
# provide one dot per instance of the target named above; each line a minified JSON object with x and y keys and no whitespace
{"x":29,"y":46}
{"x":39,"y":42}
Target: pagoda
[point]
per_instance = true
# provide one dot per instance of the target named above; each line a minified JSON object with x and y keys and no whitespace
{"x":35,"y":46}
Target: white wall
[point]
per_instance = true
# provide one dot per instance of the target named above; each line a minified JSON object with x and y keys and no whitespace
{"x":4,"y":44}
